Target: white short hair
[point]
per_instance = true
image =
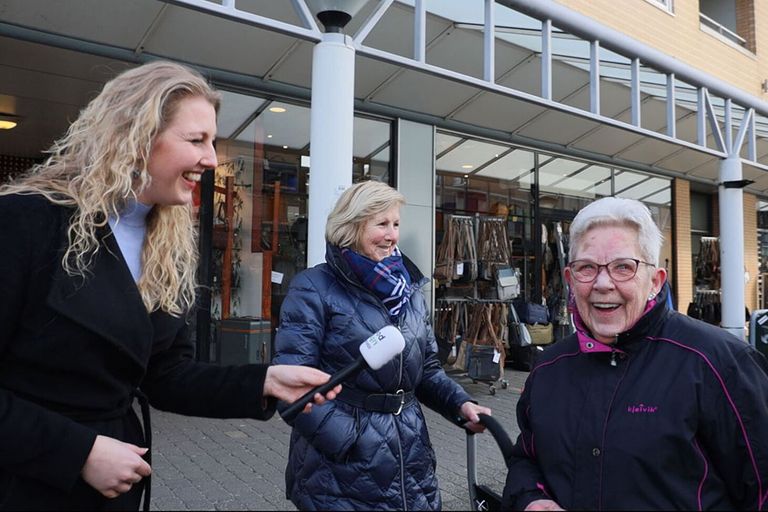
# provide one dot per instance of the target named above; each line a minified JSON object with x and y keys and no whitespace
{"x":618,"y":211}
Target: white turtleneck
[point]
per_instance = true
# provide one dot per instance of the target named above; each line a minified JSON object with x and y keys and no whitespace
{"x":130,"y":230}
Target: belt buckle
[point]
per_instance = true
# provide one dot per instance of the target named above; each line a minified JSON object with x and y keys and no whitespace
{"x":402,"y":401}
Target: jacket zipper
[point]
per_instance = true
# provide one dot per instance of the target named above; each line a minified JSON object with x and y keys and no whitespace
{"x":399,"y":382}
{"x":399,"y":443}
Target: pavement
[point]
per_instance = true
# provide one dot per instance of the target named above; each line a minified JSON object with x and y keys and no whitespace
{"x":213,"y":464}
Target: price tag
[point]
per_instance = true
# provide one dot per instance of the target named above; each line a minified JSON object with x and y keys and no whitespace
{"x":496,"y":356}
{"x":460,"y":268}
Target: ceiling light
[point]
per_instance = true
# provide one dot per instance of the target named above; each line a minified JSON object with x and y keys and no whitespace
{"x":269,"y":136}
{"x":277,"y":110}
{"x":467,"y":166}
{"x":335,"y":14}
{"x":285,"y":147}
{"x":8,"y":121}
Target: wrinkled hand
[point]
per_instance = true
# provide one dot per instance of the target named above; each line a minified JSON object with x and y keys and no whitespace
{"x":290,"y":382}
{"x":543,"y":505}
{"x":113,"y":467}
{"x":469,"y":412}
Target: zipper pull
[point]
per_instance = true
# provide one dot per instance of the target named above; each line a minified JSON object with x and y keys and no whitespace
{"x":613,"y":358}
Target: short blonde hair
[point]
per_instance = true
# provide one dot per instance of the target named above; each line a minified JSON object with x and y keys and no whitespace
{"x":356,"y":205}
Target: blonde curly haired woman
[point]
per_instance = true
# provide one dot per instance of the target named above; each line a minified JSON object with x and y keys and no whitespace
{"x":97,"y":280}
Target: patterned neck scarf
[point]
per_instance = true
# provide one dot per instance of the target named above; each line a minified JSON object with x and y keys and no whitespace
{"x":387,"y":279}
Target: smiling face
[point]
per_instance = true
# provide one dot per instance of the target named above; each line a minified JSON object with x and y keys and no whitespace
{"x":380,"y":234}
{"x":606,"y":307}
{"x":181,"y":152}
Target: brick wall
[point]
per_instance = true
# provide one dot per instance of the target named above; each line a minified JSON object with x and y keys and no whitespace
{"x":679,"y":35}
{"x":745,"y":22}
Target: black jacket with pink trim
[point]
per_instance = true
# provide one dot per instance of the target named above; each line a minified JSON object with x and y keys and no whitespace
{"x":674,"y":416}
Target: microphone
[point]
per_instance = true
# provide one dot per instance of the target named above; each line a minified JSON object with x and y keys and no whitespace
{"x":380,"y":348}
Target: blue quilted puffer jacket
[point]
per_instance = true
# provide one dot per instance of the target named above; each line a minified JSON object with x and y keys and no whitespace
{"x":344,"y":457}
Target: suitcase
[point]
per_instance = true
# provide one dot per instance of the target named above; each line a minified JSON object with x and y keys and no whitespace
{"x":243,"y":340}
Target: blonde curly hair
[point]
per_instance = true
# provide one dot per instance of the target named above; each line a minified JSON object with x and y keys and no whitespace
{"x":93,"y":167}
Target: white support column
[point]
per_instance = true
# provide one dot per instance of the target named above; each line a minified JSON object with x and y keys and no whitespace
{"x":731,"y":201}
{"x":331,"y":120}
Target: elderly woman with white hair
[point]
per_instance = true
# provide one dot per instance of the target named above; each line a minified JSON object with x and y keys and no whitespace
{"x":369,"y":450}
{"x":642,"y":408}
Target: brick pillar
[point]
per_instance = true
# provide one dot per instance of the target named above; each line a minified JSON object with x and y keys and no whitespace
{"x":682,"y":285}
{"x":745,"y":22}
{"x":750,"y":250}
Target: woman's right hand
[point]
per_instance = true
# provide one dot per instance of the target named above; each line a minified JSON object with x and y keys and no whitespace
{"x":543,"y":505}
{"x":113,"y":467}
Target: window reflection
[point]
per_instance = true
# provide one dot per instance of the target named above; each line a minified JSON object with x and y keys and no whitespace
{"x":269,"y":140}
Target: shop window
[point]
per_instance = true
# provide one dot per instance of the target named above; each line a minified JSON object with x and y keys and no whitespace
{"x":267,"y":143}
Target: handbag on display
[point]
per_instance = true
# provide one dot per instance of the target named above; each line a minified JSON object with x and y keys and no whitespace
{"x":518,"y":332}
{"x":530,"y":312}
{"x":507,"y":283}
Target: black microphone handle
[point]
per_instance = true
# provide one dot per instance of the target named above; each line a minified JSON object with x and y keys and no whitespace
{"x":296,"y":407}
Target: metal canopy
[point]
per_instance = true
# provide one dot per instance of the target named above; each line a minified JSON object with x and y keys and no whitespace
{"x":524,"y":82}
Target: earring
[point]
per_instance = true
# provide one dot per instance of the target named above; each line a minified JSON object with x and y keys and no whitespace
{"x":651,"y":296}
{"x":135,"y":174}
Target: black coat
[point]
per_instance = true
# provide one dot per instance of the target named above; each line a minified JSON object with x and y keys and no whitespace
{"x":72,"y":352}
{"x":673,"y":416}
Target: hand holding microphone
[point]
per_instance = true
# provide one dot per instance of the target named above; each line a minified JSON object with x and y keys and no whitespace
{"x":376,"y":351}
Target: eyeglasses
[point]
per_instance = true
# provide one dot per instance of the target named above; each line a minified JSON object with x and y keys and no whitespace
{"x":620,"y":270}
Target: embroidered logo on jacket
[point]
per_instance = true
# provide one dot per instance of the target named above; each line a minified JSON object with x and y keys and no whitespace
{"x":642,"y":408}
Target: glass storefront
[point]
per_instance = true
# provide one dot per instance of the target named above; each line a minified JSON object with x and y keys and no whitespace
{"x":263,"y":147}
{"x":538,"y":194}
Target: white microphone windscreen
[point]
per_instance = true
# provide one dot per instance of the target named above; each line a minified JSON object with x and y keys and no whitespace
{"x":382,"y":346}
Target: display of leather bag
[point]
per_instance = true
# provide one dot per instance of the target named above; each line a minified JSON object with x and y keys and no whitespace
{"x":507,"y":283}
{"x":456,"y":260}
{"x":531,"y":313}
{"x":493,"y":249}
{"x":518,"y":332}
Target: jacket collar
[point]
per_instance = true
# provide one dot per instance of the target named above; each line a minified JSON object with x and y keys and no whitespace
{"x":647,"y":325}
{"x":340,"y":266}
{"x":107,"y":302}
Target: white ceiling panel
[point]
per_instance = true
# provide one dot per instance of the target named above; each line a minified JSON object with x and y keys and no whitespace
{"x":684,"y":161}
{"x":709,"y":170}
{"x":460,"y":51}
{"x":468,"y":156}
{"x":289,"y":128}
{"x":295,"y":68}
{"x":509,"y":166}
{"x":370,"y":136}
{"x":498,"y":112}
{"x":422,"y":93}
{"x":234,"y":111}
{"x":648,"y":151}
{"x":115,"y":22}
{"x":525,"y":76}
{"x":557,"y":127}
{"x":198,"y":38}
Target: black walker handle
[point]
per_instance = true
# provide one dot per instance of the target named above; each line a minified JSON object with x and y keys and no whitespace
{"x":499,"y":434}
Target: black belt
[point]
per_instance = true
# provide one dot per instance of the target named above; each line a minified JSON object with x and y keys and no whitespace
{"x":147,"y":427}
{"x":377,"y":402}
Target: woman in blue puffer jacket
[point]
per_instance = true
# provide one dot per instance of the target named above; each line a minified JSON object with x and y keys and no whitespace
{"x":368,"y":449}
